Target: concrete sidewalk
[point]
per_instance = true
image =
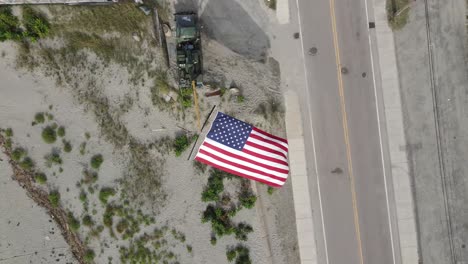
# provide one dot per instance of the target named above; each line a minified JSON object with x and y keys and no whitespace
{"x":390,"y":88}
{"x":299,"y":179}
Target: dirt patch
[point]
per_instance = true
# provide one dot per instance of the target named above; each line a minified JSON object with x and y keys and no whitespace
{"x":41,"y":197}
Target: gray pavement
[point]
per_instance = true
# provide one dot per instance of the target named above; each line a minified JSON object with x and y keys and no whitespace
{"x":436,"y":121}
{"x":349,"y":176}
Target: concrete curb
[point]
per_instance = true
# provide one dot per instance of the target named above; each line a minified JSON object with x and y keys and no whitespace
{"x":396,"y":136}
{"x":282,"y":11}
{"x":299,"y":180}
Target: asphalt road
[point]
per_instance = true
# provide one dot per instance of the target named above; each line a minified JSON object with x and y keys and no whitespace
{"x":351,"y":174}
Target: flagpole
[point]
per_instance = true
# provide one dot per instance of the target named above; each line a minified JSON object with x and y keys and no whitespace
{"x":204,"y":124}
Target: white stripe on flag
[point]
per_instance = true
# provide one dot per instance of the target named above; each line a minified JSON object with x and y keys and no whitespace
{"x":269,"y":138}
{"x":267,"y":145}
{"x":266,"y":153}
{"x":252,"y":174}
{"x":245,"y":155}
{"x":245,"y":163}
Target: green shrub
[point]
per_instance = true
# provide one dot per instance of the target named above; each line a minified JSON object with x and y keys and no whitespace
{"x":240,"y":99}
{"x":35,"y":23}
{"x":108,"y":216}
{"x":39,"y":118}
{"x":8,"y":143}
{"x":89,"y":176}
{"x":87,"y":220}
{"x":220,"y":222}
{"x":181,"y":143}
{"x":105,"y":193}
{"x":89,"y":256}
{"x":270,"y":190}
{"x":96,"y":161}
{"x":40,"y":178}
{"x":248,"y":200}
{"x":83,"y":196}
{"x":214,"y":187}
{"x":242,"y":231}
{"x":61,"y":131}
{"x":53,"y":158}
{"x":82,"y":148}
{"x":67,"y":147}
{"x":48,"y":135}
{"x":243,"y":256}
{"x":27,"y":163}
{"x":87,"y":135}
{"x":54,"y":198}
{"x":213,"y":240}
{"x":122,"y":225}
{"x":189,"y":248}
{"x":18,"y":153}
{"x":185,"y":96}
{"x":231,"y":254}
{"x":9,"y":132}
{"x":10,"y":28}
{"x":73,"y":223}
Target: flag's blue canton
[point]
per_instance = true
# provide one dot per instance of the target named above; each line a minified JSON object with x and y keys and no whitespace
{"x":229,"y":131}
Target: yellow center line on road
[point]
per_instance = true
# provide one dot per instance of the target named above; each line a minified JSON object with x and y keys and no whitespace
{"x":345,"y":127}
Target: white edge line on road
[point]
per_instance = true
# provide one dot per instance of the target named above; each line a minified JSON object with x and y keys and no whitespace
{"x":380,"y":133}
{"x":312,"y":131}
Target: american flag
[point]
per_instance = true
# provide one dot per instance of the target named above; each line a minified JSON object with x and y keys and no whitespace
{"x":244,"y":150}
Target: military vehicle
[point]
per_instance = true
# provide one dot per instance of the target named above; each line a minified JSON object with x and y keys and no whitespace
{"x":188,"y":48}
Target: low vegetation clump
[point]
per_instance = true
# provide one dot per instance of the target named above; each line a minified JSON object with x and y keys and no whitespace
{"x":89,"y":256}
{"x":122,"y":225}
{"x":49,"y":135}
{"x":73,"y":223}
{"x":82,"y":148}
{"x":27,"y":164}
{"x":270,"y":190}
{"x":221,"y":224}
{"x":67,"y":147}
{"x":89,"y":177}
{"x":181,"y":143}
{"x":10,"y":27}
{"x":105,"y":193}
{"x":240,"y":253}
{"x":246,"y":197}
{"x":242,"y":231}
{"x":61,"y":131}
{"x":35,"y":23}
{"x":231,"y":254}
{"x":54,"y":198}
{"x":397,"y":13}
{"x":9,"y":132}
{"x":83,"y":196}
{"x":88,"y":221}
{"x":18,"y":153}
{"x":39,"y":118}
{"x":96,"y":161}
{"x":185,"y":97}
{"x":53,"y":159}
{"x":214,"y":187}
{"x":40,"y":178}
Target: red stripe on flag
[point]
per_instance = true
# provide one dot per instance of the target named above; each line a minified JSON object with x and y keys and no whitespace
{"x":269,"y":142}
{"x":237,"y":173}
{"x":267,"y":149}
{"x":247,"y":168}
{"x":260,"y":156}
{"x":270,"y":135}
{"x":227,"y":153}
